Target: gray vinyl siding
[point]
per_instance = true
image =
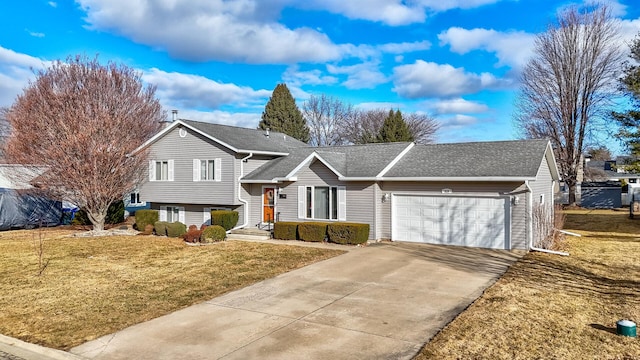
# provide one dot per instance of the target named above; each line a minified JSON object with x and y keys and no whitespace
{"x":518,"y":212}
{"x":542,"y":185}
{"x":194,"y":214}
{"x":183,"y":189}
{"x":360,"y":199}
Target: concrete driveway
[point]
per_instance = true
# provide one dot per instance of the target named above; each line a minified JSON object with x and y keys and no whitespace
{"x":383,"y":301}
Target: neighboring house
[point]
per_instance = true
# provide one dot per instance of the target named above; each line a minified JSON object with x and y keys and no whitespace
{"x":472,"y":194}
{"x":21,"y":206}
{"x":132,"y":203}
{"x":598,"y":172}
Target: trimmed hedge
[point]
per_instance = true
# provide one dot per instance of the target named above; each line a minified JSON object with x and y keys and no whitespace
{"x":225,"y":218}
{"x":160,"y":228}
{"x":312,"y":231}
{"x":176,"y":229}
{"x":144,"y":217}
{"x":348,"y":233}
{"x":285,"y":230}
{"x":213,"y":233}
{"x":193,"y":235}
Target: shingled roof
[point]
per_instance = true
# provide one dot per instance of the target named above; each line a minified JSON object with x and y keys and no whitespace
{"x":246,"y":139}
{"x":349,"y":161}
{"x":519,"y":158}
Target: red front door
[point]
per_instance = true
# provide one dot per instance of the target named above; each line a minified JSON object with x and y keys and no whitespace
{"x":268,"y":204}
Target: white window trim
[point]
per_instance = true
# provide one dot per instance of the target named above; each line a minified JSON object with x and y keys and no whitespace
{"x":206,"y":216}
{"x":164,"y":211}
{"x":152,"y":170}
{"x":137,"y":198}
{"x":541,"y":199}
{"x":217,"y":170}
{"x":341,"y":205}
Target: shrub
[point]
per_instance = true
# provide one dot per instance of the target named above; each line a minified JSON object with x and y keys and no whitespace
{"x":193,"y":235}
{"x":115,"y":215}
{"x":144,"y":217}
{"x":348,"y":233}
{"x":285,"y":230}
{"x":192,"y":227}
{"x":161,"y":228}
{"x":225,"y":218}
{"x":312,"y":231}
{"x":213,"y":233}
{"x":176,"y":229}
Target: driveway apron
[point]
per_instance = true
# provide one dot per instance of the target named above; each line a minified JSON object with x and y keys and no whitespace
{"x":383,"y":301}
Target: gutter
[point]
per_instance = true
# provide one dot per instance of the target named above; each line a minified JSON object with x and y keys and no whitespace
{"x":245,"y":202}
{"x":530,"y":224}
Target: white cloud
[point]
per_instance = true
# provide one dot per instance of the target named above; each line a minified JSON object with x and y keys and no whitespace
{"x":629,"y":29}
{"x":211,"y":30}
{"x":378,"y":105}
{"x":197,"y":91}
{"x":294,"y":77}
{"x":15,"y":73}
{"x":53,"y":4}
{"x":511,"y":48}
{"x":365,"y":75}
{"x":443,"y":5}
{"x":459,"y":106}
{"x":248,"y":120}
{"x":35,"y":34}
{"x":427,"y":79}
{"x":390,"y":12}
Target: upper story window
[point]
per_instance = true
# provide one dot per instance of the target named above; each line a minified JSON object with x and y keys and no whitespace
{"x":161,"y":170}
{"x":207,"y":170}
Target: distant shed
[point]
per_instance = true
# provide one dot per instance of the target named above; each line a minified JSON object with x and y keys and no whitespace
{"x":601,"y":194}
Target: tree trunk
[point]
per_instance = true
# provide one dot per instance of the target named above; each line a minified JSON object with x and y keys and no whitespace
{"x":97,"y":219}
{"x":572,"y":193}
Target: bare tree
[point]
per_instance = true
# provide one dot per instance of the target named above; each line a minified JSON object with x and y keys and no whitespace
{"x":325,"y":117}
{"x":80,"y":121}
{"x":569,"y":83}
{"x":364,"y":126}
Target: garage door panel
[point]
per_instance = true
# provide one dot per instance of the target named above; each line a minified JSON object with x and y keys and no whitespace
{"x":453,"y":220}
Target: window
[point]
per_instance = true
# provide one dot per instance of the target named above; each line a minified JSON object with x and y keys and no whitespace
{"x":161,"y":170}
{"x":172,"y":213}
{"x":206,"y":170}
{"x":322,"y":202}
{"x":541,"y":199}
{"x":632,"y":181}
{"x":135,"y":198}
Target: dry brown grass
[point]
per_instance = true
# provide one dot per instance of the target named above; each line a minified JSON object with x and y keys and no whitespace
{"x":553,"y":307}
{"x":95,"y":286}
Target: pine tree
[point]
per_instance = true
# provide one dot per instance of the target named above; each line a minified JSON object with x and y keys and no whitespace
{"x":394,"y":128}
{"x":629,"y":120}
{"x":282,"y":114}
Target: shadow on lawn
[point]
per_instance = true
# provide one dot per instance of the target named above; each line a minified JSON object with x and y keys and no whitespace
{"x":608,"y":329}
{"x":553,"y":273}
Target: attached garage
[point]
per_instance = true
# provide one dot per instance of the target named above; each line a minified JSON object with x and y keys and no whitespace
{"x":474,"y":221}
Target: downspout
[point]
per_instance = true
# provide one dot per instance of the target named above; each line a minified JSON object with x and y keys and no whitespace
{"x":245,"y":202}
{"x":530,"y":224}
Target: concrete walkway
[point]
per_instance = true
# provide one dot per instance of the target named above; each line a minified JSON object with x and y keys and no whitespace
{"x":377,"y":302}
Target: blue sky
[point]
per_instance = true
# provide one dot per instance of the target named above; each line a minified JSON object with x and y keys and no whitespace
{"x":218,"y":61}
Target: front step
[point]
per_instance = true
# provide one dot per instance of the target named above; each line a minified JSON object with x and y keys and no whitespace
{"x":249,"y":234}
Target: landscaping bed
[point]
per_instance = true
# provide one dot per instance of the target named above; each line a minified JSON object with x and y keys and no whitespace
{"x":98,"y":285}
{"x":553,"y":307}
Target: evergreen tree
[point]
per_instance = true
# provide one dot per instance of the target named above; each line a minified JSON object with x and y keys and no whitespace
{"x":630,"y":120}
{"x":394,"y":129}
{"x":282,"y":114}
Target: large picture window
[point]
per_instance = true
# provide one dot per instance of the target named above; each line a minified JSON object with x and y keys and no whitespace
{"x":322,"y":202}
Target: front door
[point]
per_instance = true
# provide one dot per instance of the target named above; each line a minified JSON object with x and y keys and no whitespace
{"x":268,"y":204}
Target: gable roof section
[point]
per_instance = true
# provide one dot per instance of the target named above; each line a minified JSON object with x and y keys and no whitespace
{"x":499,"y":160}
{"x":348,"y":162}
{"x":237,"y":139}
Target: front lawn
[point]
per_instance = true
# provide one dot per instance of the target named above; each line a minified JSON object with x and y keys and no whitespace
{"x":553,"y":307}
{"x":95,"y":286}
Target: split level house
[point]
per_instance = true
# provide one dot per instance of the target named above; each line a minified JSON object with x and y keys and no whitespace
{"x":478,"y":194}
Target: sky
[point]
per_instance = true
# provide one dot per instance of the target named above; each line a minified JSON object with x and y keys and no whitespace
{"x":219,"y":60}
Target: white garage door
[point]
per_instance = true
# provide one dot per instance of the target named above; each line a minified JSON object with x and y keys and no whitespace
{"x":466,"y":221}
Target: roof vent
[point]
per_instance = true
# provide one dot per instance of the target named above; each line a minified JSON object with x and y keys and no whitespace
{"x":174,"y":115}
{"x":266,"y":133}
